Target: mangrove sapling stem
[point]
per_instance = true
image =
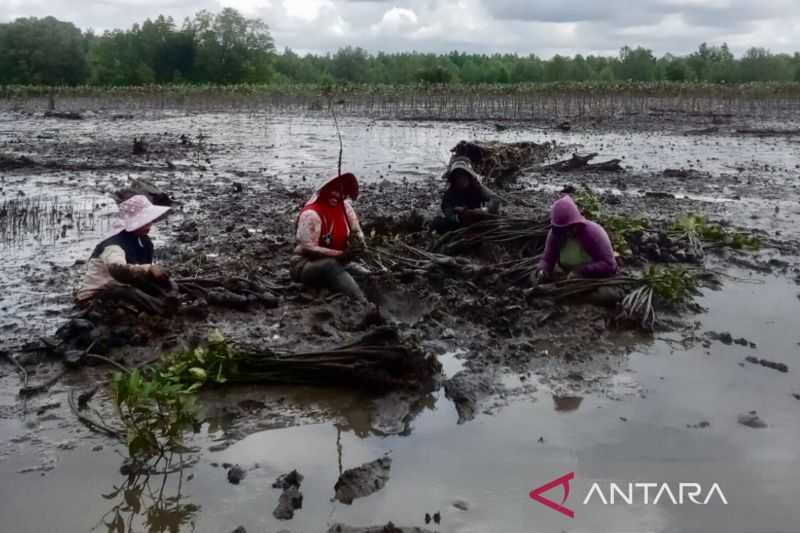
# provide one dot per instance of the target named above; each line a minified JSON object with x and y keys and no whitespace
{"x":338,"y":133}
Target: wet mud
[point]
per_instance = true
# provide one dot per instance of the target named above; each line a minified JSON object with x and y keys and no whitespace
{"x":238,"y":182}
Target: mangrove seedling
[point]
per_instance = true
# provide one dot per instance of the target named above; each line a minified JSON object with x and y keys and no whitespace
{"x":666,"y":286}
{"x":155,"y":412}
{"x":589,"y":203}
{"x":700,"y":234}
{"x":209,"y":364}
{"x":620,"y":229}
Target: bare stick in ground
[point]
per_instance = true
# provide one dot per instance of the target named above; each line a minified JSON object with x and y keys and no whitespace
{"x":338,"y":133}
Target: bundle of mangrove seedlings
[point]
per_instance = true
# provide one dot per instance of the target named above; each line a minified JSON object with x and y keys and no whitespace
{"x":398,"y":256}
{"x":379,"y":361}
{"x":699,"y":235}
{"x":526,"y":235}
{"x":231,"y":292}
{"x":158,"y":404}
{"x":658,"y":287}
{"x":519,"y":270}
{"x":502,"y":162}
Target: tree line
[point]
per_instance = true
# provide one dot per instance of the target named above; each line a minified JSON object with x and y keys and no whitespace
{"x":229,"y":48}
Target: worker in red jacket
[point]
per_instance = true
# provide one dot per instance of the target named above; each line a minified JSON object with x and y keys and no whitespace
{"x":324,"y":244}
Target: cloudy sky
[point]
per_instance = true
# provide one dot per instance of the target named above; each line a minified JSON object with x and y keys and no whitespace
{"x":544,"y":27}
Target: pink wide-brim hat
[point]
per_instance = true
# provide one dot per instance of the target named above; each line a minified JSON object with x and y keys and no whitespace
{"x":138,"y":211}
{"x":346,"y":183}
{"x":565,"y":213}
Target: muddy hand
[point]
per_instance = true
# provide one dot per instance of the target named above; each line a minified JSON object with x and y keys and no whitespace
{"x":160,"y":276}
{"x":355,"y":248}
{"x":158,"y":273}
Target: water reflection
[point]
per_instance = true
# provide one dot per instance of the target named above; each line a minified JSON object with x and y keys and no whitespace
{"x":240,"y":412}
{"x":151,"y":501}
{"x":392,"y":414}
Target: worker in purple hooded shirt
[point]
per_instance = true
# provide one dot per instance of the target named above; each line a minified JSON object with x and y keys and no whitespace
{"x":579,"y":246}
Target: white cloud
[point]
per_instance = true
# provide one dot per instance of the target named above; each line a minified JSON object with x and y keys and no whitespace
{"x":396,"y":20}
{"x":248,"y":7}
{"x":306,"y":10}
{"x":543,"y":27}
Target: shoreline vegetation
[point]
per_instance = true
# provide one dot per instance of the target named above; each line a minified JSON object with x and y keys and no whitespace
{"x":422,"y":101}
{"x":227,"y":48}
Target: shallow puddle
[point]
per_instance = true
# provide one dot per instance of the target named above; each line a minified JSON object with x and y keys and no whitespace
{"x":494,"y":461}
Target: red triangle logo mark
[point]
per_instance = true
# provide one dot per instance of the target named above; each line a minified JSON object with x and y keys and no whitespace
{"x":536,"y":494}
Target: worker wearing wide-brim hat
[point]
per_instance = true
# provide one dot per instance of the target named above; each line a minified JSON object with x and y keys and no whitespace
{"x":466,"y":199}
{"x":121,"y":266}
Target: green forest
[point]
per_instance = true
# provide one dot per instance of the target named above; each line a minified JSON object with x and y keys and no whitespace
{"x":229,"y":48}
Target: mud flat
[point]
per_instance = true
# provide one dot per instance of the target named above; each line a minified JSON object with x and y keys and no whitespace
{"x":530,"y":389}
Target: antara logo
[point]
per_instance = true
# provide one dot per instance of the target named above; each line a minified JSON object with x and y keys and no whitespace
{"x":563,"y":481}
{"x":630,"y":494}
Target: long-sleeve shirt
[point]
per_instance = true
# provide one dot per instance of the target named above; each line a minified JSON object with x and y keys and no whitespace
{"x":99,"y":277}
{"x":474,"y":197}
{"x":595,"y":242}
{"x":126,"y":249}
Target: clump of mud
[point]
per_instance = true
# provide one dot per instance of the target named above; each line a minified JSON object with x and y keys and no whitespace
{"x":363,"y":480}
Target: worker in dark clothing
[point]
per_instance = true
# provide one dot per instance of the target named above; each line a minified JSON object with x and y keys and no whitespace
{"x":466,"y":200}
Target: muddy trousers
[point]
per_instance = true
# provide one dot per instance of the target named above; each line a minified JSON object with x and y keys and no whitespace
{"x":328,"y":273}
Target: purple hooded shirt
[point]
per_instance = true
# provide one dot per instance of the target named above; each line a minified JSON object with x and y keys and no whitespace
{"x":590,"y":235}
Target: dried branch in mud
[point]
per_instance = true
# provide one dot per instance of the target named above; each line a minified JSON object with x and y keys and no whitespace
{"x":581,"y":162}
{"x":338,"y":134}
{"x":501,"y":163}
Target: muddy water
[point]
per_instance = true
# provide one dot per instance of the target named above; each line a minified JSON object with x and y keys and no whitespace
{"x":493,"y":462}
{"x":54,"y":476}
